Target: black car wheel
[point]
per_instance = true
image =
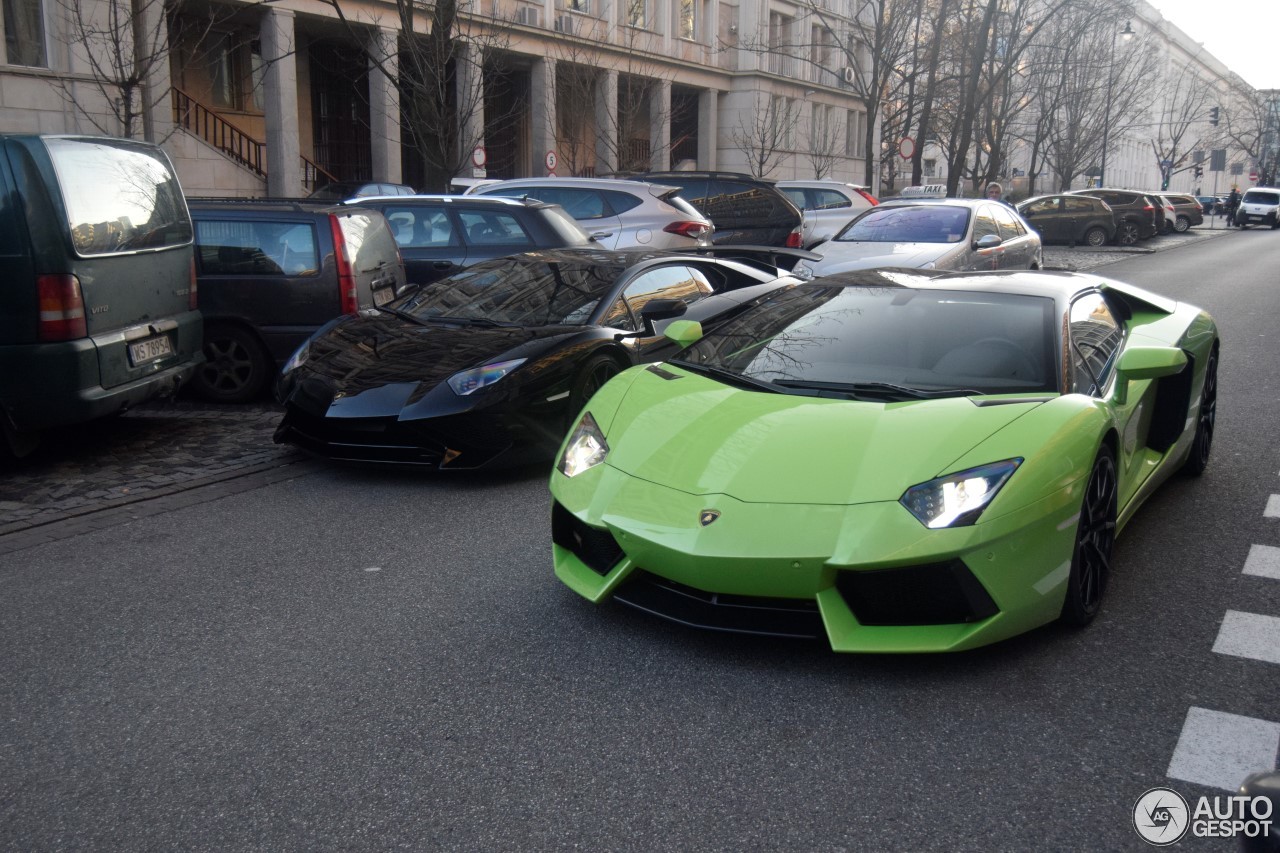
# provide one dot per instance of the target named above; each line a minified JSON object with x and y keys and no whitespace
{"x":1128,"y":234}
{"x":1181,"y":224}
{"x":1095,"y":537}
{"x":236,"y":367}
{"x":1198,"y":460}
{"x":597,"y":370}
{"x":1095,"y":236}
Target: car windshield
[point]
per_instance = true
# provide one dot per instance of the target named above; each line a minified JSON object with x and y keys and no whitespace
{"x":527,"y":290}
{"x":1255,"y":197}
{"x":885,"y":343}
{"x":925,"y":223}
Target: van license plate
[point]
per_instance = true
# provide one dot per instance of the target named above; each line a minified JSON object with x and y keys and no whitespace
{"x":149,"y":350}
{"x":383,"y":296}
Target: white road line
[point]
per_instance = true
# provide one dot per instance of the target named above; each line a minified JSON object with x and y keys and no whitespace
{"x":1273,"y":507}
{"x":1219,"y":750}
{"x":1263,"y":561}
{"x":1249,"y":635}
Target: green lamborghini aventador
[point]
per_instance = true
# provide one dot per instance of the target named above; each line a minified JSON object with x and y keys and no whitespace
{"x":897,"y":460}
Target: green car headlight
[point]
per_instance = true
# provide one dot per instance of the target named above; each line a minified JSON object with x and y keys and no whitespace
{"x":957,"y":500}
{"x":586,"y":448}
{"x":470,"y":381}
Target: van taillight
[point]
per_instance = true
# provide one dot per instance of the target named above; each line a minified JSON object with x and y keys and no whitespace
{"x":61,"y":308}
{"x":868,"y":196}
{"x":794,"y":240}
{"x":193,"y":299}
{"x":346,"y":279}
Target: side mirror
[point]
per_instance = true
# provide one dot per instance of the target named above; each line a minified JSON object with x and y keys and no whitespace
{"x":662,"y":309}
{"x":684,"y":332}
{"x":987,"y":241}
{"x":1147,"y":363}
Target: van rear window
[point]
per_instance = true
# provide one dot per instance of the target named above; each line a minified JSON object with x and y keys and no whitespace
{"x":120,"y":196}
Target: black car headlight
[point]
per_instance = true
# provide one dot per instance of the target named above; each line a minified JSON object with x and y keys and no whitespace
{"x":469,"y":381}
{"x":298,"y":358}
{"x":957,"y":500}
{"x":585,"y":449}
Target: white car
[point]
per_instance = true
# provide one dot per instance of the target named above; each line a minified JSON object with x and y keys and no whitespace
{"x":828,"y":206}
{"x":936,"y":233}
{"x":1260,"y":205}
{"x":618,"y":214}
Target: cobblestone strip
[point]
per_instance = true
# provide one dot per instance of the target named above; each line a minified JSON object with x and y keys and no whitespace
{"x":50,"y":528}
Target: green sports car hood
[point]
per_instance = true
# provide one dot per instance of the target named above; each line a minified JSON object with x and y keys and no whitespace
{"x":700,"y":436}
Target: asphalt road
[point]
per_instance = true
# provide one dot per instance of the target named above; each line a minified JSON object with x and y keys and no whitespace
{"x":352,"y":659}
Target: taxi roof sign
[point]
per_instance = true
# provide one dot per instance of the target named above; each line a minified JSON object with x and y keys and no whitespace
{"x":924,"y":191}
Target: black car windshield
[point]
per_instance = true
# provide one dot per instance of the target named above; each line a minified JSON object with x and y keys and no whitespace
{"x":887,"y":343}
{"x":526,"y":290}
{"x":924,"y":223}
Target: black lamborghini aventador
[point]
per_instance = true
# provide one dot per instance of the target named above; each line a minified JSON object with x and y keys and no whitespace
{"x":489,"y":366}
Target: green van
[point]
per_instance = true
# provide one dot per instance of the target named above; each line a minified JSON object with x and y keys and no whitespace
{"x":97,"y":285}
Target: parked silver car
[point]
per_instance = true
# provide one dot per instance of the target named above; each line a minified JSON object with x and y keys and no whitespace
{"x":619,"y":214}
{"x":943,"y":233}
{"x":828,"y":206}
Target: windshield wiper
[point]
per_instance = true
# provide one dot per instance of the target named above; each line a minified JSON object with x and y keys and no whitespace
{"x":403,"y":315}
{"x":727,"y":376}
{"x":874,"y":390}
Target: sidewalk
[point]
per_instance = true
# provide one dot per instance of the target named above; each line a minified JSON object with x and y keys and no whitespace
{"x":1082,"y":258}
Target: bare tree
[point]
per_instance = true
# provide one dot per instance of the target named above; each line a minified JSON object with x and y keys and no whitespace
{"x":126,"y":44}
{"x":442,"y":51}
{"x":1184,"y":107}
{"x":618,"y":131}
{"x":1249,"y":121}
{"x":766,"y":134}
{"x":826,"y":140}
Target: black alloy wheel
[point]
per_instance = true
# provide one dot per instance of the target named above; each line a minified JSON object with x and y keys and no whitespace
{"x":1095,"y":539}
{"x":1128,"y":234}
{"x":1202,"y":444}
{"x":1182,"y":224}
{"x":597,"y":370}
{"x":236,"y":367}
{"x":1095,"y":236}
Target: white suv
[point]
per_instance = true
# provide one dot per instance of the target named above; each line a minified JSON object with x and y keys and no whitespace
{"x":619,"y":214}
{"x":828,"y":206}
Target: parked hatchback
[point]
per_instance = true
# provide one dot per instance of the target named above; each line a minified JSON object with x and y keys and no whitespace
{"x":97,"y":293}
{"x":1187,"y":211}
{"x":1136,"y":216}
{"x":744,"y":210}
{"x":827,"y":206}
{"x":1070,"y":219}
{"x":271,"y":273}
{"x":618,"y":214}
{"x":439,"y":235}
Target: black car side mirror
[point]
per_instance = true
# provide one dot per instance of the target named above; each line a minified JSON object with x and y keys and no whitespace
{"x":655,"y":310}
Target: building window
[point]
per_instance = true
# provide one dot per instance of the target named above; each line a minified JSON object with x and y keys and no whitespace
{"x":687,"y":26}
{"x":636,"y":13}
{"x":583,"y":6}
{"x":781,"y":45}
{"x":855,"y":144}
{"x":237,"y":73}
{"x":929,"y":167}
{"x":24,"y":33}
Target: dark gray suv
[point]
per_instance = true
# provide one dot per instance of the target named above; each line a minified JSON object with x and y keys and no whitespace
{"x":271,"y":273}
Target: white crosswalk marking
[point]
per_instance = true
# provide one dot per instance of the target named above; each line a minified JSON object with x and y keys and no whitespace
{"x":1273,"y":507}
{"x":1249,"y":635}
{"x":1220,"y":750}
{"x":1263,"y":561}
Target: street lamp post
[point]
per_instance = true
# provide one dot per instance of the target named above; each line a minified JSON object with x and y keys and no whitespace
{"x":1126,"y":35}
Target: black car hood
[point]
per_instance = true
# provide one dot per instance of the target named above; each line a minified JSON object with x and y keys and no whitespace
{"x":374,"y":366}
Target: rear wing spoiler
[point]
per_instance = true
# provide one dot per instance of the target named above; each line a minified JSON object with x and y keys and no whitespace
{"x":776,"y":257}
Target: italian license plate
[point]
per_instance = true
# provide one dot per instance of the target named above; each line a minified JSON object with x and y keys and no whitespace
{"x":151,"y":349}
{"x":383,"y":296}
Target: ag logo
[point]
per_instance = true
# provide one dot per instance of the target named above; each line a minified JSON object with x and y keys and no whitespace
{"x":707,"y":516}
{"x":1161,"y":816}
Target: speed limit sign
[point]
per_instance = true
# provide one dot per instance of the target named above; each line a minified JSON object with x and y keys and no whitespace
{"x":552,"y":161}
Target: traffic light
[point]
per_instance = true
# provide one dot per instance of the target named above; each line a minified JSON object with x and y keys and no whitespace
{"x":1164,"y":185}
{"x":1213,"y":116}
{"x":1199,"y":171}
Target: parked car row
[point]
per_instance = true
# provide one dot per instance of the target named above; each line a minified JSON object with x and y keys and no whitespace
{"x":1094,"y":217}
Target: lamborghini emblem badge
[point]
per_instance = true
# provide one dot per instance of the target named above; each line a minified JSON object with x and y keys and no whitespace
{"x":707,"y":516}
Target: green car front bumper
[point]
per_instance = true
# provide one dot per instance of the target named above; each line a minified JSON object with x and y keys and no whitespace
{"x":869,"y":576}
